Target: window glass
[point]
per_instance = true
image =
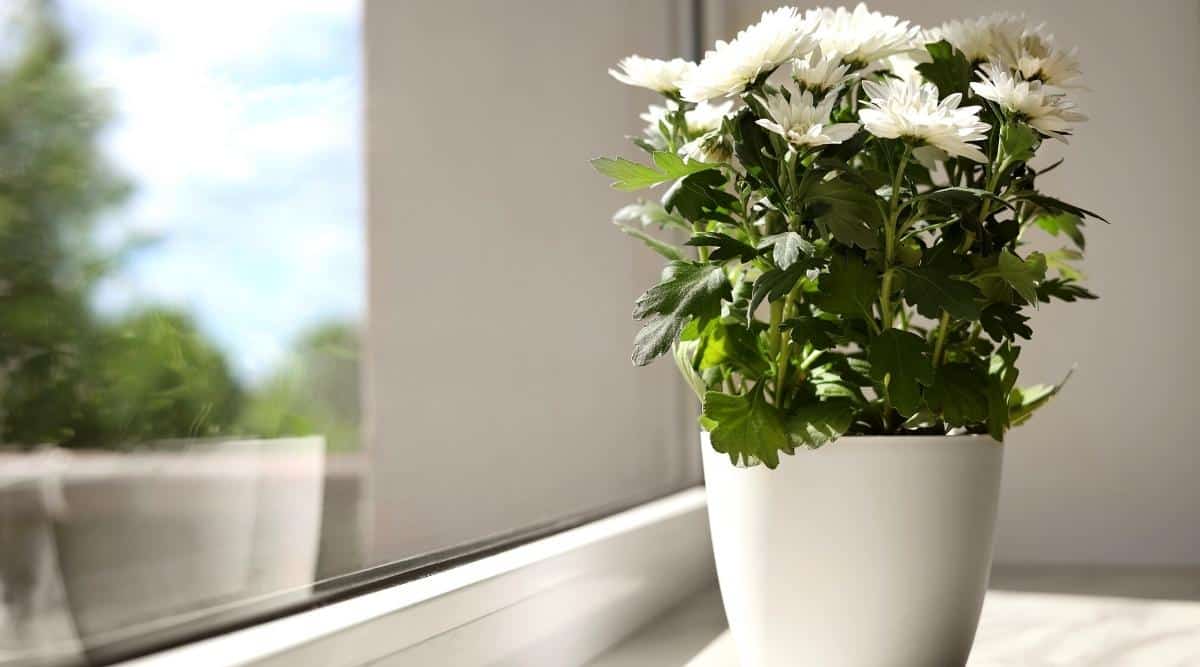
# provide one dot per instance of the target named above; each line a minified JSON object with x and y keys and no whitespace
{"x":250,"y":358}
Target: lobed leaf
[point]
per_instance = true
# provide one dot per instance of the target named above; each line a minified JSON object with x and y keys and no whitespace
{"x":630,"y":175}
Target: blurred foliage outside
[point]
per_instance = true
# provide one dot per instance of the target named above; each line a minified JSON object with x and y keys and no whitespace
{"x":73,"y":378}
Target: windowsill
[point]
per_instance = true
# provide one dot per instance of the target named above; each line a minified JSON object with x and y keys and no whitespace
{"x":1128,"y":623}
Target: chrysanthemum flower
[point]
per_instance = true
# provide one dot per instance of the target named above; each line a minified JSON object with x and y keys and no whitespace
{"x":909,"y":109}
{"x":1036,"y":58}
{"x":981,"y":39}
{"x":703,"y":118}
{"x":862,"y":36}
{"x":754,"y":52}
{"x":1050,"y":114}
{"x":714,"y":146}
{"x":663,"y":76}
{"x":803,"y":122}
{"x":818,"y":72}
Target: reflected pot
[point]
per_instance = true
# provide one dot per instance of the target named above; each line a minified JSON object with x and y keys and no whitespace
{"x":873,"y":551}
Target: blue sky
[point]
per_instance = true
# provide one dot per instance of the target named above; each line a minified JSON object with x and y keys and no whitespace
{"x":238,"y":121}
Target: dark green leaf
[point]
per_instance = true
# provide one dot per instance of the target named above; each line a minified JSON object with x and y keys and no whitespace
{"x":812,"y":330}
{"x":1002,"y":375}
{"x":746,"y":428}
{"x":774,"y":284}
{"x":1003,"y":321}
{"x":949,"y":69}
{"x":752,"y":146}
{"x":958,"y":394}
{"x":814,"y":424}
{"x":701,"y":197}
{"x":1053,"y":205}
{"x":726,"y":246}
{"x":633,"y":176}
{"x":1063,"y":290}
{"x":687,"y":290}
{"x":1022,"y":274}
{"x":932,"y":291}
{"x":661,"y":247}
{"x":847,"y":211}
{"x":900,"y":361}
{"x":850,"y":287}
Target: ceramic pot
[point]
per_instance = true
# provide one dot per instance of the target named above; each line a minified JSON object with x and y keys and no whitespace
{"x":873,"y":551}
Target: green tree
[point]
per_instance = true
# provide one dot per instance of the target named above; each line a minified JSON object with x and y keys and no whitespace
{"x":314,"y":391}
{"x":66,"y":376}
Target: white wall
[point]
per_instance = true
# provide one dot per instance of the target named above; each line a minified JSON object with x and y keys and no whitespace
{"x":1107,"y":473}
{"x":499,"y":383}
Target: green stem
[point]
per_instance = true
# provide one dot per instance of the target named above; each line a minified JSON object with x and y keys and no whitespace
{"x":941,"y":339}
{"x":785,"y":349}
{"x":889,"y":240}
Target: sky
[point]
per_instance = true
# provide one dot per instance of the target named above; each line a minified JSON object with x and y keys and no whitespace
{"x":238,"y":122}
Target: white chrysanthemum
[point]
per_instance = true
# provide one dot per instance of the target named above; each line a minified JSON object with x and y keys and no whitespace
{"x":663,"y":76}
{"x":818,"y":72}
{"x":1036,"y":58}
{"x":1050,"y":114}
{"x":803,"y":122}
{"x":703,"y":118}
{"x":714,"y":146}
{"x":757,"y":50}
{"x":861,"y":37}
{"x":909,"y":109}
{"x":980,"y":39}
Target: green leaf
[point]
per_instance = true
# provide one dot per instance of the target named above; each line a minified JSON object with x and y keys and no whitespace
{"x":814,"y":424}
{"x":661,"y":247}
{"x":1025,"y":401}
{"x":1018,"y":141}
{"x":1003,"y":321}
{"x":847,"y":211}
{"x":728,"y":343}
{"x":774,"y":284}
{"x":958,"y":394}
{"x":1002,"y":375}
{"x":812,"y":330}
{"x":726,"y":246}
{"x":633,"y":176}
{"x":787,"y":248}
{"x":1061,"y":260}
{"x":849,"y":288}
{"x":1055,"y":206}
{"x":932,"y":291}
{"x":1063,"y":290}
{"x":687,"y":290}
{"x":956,"y":197}
{"x":1063,"y":223}
{"x":701,"y":196}
{"x":747,"y":428}
{"x":646,"y":213}
{"x":752,"y":145}
{"x":949,"y":69}
{"x":1022,"y":274}
{"x":900,"y":361}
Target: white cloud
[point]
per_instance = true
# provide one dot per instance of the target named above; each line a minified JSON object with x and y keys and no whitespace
{"x":239,"y":124}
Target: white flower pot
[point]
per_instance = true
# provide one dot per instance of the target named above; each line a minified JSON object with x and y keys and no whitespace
{"x":873,"y":551}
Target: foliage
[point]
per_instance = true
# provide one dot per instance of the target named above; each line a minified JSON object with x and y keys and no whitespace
{"x":72,"y":378}
{"x":864,"y":286}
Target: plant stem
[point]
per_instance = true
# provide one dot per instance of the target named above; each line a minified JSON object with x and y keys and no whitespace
{"x":941,"y":339}
{"x":785,"y":349}
{"x":701,"y":251}
{"x":889,"y":241}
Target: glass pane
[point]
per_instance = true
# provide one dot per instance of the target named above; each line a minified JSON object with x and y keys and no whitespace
{"x":199,"y":424}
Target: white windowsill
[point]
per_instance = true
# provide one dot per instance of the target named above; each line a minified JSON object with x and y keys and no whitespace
{"x":1016,"y":629}
{"x":563,"y":599}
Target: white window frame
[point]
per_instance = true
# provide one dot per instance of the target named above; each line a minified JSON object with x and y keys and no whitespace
{"x":560,"y":600}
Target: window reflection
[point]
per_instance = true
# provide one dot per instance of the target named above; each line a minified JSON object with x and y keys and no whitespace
{"x":180,"y":304}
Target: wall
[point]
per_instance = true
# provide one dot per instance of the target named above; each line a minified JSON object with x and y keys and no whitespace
{"x":1107,"y":473}
{"x":499,"y":384}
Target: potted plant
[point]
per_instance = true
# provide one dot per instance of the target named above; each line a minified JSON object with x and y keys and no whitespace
{"x":853,"y":195}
